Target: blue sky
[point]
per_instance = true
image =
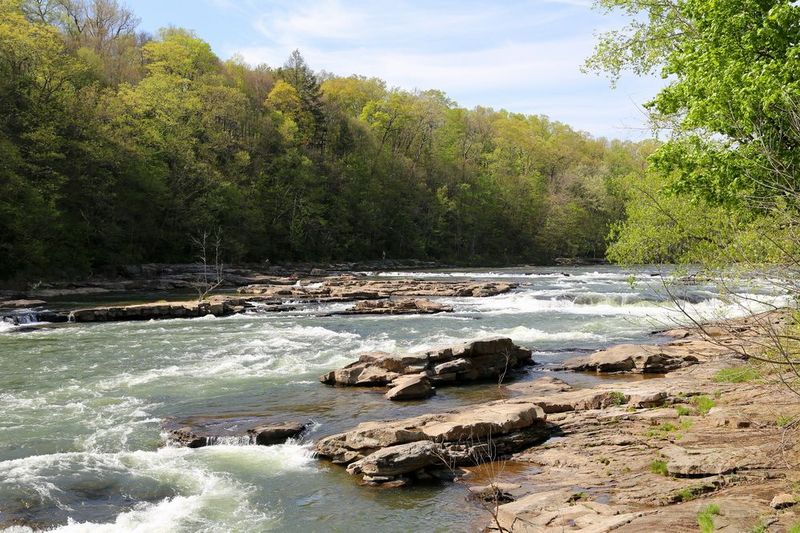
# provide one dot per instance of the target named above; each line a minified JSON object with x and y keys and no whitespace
{"x":523,"y":56}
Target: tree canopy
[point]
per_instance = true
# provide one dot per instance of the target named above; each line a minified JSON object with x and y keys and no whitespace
{"x":732,"y":108}
{"x":118,"y":147}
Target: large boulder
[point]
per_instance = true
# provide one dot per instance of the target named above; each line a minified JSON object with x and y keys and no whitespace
{"x":485,"y":359}
{"x":411,"y":387}
{"x":400,"y":459}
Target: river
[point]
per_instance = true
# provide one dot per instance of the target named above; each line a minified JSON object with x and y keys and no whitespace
{"x":81,"y":443}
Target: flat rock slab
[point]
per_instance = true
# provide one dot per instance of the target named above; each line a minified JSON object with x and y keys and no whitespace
{"x":387,"y":449}
{"x":404,"y":306}
{"x":352,"y":288}
{"x":635,"y":358}
{"x":20,"y":304}
{"x":478,"y":360}
{"x":710,"y":461}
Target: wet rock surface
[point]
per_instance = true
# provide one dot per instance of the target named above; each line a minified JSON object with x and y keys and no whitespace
{"x":200,"y":431}
{"x":477,"y":360}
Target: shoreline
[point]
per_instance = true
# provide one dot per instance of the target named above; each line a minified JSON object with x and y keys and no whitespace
{"x":577,"y":415}
{"x":625,"y":455}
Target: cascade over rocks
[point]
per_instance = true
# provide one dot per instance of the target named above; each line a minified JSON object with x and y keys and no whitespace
{"x":201,"y":432}
{"x":482,"y":359}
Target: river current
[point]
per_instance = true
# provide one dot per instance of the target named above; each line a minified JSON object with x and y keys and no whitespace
{"x":81,"y":441}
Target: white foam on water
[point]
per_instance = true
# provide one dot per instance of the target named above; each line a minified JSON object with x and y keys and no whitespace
{"x":208,"y":498}
{"x":712,"y":308}
{"x":578,"y":276}
{"x":526,"y":334}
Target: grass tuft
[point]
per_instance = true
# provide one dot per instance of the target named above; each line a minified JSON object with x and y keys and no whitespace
{"x":659,"y":467}
{"x":703,"y":404}
{"x":683,"y":410}
{"x":739,"y":374}
{"x":705,"y":518}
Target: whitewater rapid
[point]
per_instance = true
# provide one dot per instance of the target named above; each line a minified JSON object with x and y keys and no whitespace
{"x":81,"y":440}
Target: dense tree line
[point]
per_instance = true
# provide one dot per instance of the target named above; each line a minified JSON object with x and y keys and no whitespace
{"x":117,"y":147}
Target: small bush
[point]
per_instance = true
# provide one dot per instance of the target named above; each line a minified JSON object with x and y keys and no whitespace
{"x":705,"y":518}
{"x":784,"y":420}
{"x":683,"y":410}
{"x":618,"y":398}
{"x":703,"y":404}
{"x":659,"y":467}
{"x":739,"y":374}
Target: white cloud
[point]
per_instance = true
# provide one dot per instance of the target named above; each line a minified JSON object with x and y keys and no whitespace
{"x":522,"y":55}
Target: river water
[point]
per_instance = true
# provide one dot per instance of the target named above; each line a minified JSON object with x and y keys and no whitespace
{"x":81,"y":442}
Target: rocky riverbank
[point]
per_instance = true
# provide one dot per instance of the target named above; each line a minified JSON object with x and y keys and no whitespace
{"x":706,"y":434}
{"x":378,"y":297}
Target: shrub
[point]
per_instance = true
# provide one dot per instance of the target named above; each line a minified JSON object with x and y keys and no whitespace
{"x":618,"y":398}
{"x":683,"y":410}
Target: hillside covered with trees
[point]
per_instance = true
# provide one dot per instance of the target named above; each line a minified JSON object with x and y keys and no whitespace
{"x":119,"y":147}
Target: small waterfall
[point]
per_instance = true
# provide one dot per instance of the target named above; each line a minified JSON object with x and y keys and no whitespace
{"x":230,"y":440}
{"x":21,"y":317}
{"x":25,"y":317}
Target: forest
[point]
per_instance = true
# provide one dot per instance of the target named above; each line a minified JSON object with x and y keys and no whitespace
{"x":120,"y":147}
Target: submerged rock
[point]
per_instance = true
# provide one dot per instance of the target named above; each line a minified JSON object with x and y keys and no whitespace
{"x":269,"y":434}
{"x":483,"y":359}
{"x":208,"y":433}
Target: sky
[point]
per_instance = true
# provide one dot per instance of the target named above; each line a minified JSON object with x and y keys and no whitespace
{"x":520,"y":55}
